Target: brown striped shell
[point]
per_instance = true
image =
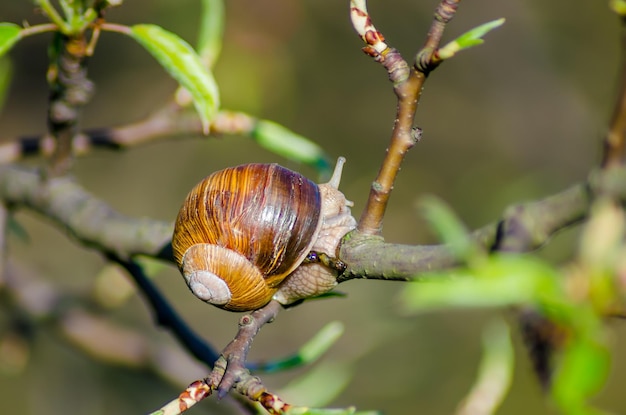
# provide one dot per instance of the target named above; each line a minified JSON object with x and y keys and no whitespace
{"x":243,"y":231}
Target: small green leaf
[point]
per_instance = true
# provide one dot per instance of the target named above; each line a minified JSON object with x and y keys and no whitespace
{"x":468,"y":39}
{"x":464,"y":290}
{"x":319,"y":386}
{"x":183,"y":64}
{"x":448,"y":227}
{"x":9,"y":35}
{"x":500,"y":280}
{"x":286,"y":143}
{"x":211,"y":31}
{"x":308,"y":353}
{"x":321,"y":342}
{"x":15,"y":228}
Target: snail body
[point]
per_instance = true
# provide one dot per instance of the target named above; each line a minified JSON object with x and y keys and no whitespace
{"x":243,"y":233}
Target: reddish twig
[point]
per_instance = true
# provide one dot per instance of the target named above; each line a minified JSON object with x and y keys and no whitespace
{"x":230,"y":370}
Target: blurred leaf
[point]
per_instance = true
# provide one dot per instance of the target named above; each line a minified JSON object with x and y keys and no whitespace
{"x":501,"y":280}
{"x":447,"y":226}
{"x":183,"y":64}
{"x":329,"y":294}
{"x":319,"y":386}
{"x":582,"y":372}
{"x":309,"y":352}
{"x":9,"y":35}
{"x":330,"y":411}
{"x":505,"y":280}
{"x":495,"y":372}
{"x":112,"y":288}
{"x":6,"y":72}
{"x":284,"y":142}
{"x":618,"y":6}
{"x":16,"y":228}
{"x":211,"y":31}
{"x":468,"y":39}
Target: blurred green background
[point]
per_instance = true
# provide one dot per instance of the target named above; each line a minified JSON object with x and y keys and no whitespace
{"x":515,"y":119}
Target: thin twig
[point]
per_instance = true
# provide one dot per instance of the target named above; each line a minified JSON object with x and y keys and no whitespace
{"x":426,"y":59}
{"x":37,"y":302}
{"x":615,"y":140}
{"x":39,"y":28}
{"x":170,"y":122}
{"x":522,"y":228}
{"x":166,"y":316}
{"x":230,"y":370}
{"x":70,"y":90}
{"x":4,"y":229}
{"x":407,"y":85}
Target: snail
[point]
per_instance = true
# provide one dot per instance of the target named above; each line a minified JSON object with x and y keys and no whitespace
{"x":252,"y":233}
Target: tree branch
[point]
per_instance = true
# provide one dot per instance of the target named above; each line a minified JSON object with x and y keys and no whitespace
{"x":408,"y":84}
{"x":95,"y":224}
{"x":90,"y":220}
{"x":522,"y":228}
{"x":167,"y":317}
{"x":70,"y":90}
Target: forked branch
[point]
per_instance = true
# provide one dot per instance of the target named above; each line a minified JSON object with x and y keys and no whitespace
{"x":408,"y":82}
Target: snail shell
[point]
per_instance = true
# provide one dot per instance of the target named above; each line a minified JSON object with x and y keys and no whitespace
{"x":244,"y":231}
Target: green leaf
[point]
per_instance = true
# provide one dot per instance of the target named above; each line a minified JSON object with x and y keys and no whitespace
{"x":448,"y":227}
{"x":319,"y":386}
{"x":9,"y":35}
{"x":211,"y":31}
{"x":322,"y":341}
{"x":183,"y":64}
{"x":309,"y":352}
{"x":501,"y":280}
{"x":468,"y":39}
{"x":582,"y":372}
{"x":286,"y":143}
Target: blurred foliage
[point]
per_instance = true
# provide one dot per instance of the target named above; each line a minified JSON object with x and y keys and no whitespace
{"x":516,"y":119}
{"x":577,"y":300}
